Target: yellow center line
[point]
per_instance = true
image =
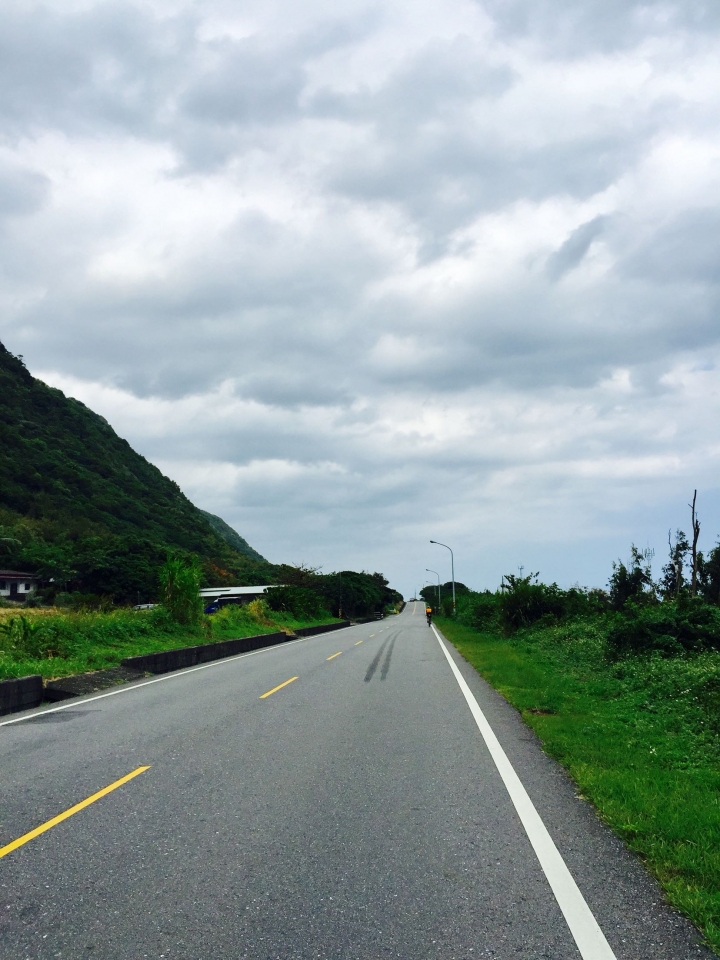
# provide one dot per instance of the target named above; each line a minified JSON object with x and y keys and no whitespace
{"x":334,"y":655}
{"x":371,"y":636}
{"x":8,"y":848}
{"x":359,"y":642}
{"x":278,"y":687}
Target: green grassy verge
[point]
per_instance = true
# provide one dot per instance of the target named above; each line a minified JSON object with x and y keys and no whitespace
{"x":58,"y":644}
{"x":640,"y":737}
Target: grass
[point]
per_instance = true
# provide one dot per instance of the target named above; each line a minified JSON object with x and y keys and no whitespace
{"x":57,"y":643}
{"x":639,"y":736}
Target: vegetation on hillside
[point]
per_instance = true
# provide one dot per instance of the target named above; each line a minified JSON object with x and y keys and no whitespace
{"x":79,"y":507}
{"x":230,"y":536}
{"x":96,"y":522}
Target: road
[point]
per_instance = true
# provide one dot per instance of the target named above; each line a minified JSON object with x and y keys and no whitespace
{"x":354,"y":812}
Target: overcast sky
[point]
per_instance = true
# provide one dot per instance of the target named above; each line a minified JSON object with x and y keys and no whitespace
{"x":360,"y":275}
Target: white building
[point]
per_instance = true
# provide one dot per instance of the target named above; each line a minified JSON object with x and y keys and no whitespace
{"x":16,"y":585}
{"x":237,"y":595}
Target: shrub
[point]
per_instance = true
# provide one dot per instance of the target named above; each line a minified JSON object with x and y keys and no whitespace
{"x":300,"y":602}
{"x":446,"y":606}
{"x":259,"y":611}
{"x":673,"y":627}
{"x":21,"y":637}
{"x":632,"y":582}
{"x":524,"y":602}
{"x":479,"y":610}
{"x":180,"y":581}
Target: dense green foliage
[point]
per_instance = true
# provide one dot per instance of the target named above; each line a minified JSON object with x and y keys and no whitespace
{"x":440,"y":597}
{"x":230,"y":536}
{"x":180,"y":581}
{"x":686,"y":624}
{"x":635,"y":615}
{"x":299,"y":601}
{"x":345,"y":594}
{"x":80,"y":507}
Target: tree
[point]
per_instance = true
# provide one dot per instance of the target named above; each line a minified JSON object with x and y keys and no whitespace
{"x":8,"y":542}
{"x":709,"y":575}
{"x":631,"y":582}
{"x":696,"y":534}
{"x":673,"y":573}
{"x":523,"y":601}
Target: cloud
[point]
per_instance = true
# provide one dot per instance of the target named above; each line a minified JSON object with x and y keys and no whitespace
{"x":571,"y":253}
{"x":360,"y":277}
{"x":684,"y":250}
{"x":601,"y":24}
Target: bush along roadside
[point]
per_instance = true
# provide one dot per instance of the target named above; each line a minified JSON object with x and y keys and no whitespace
{"x":628,"y":701}
{"x":57,"y":645}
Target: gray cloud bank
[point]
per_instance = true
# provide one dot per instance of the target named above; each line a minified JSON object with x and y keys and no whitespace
{"x":357,"y":278}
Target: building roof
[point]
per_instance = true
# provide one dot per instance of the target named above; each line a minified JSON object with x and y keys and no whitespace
{"x":211,"y":592}
{"x":20,"y":574}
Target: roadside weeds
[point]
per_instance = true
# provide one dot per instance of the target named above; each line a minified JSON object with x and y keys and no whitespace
{"x":636,"y":739}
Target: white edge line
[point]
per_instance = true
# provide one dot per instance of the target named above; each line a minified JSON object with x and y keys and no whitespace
{"x":170,"y":676}
{"x":584,"y":927}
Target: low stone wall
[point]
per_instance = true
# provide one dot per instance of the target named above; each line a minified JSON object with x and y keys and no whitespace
{"x":29,"y":692}
{"x":168,"y":660}
{"x":20,"y":694}
{"x":323,"y":628}
{"x":372,"y":619}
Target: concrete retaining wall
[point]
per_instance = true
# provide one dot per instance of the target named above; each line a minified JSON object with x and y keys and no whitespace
{"x":20,"y":694}
{"x":168,"y":660}
{"x":324,"y":628}
{"x":28,"y":692}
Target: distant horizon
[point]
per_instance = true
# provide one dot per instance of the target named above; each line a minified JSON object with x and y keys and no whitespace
{"x":547,"y":555}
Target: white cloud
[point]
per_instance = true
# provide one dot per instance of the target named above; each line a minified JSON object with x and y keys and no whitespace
{"x":358,"y":277}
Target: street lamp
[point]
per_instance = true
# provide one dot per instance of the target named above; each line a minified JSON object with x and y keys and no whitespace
{"x":452,"y":567}
{"x":438,"y":583}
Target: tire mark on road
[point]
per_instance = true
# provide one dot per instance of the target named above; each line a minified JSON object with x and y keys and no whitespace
{"x":375,"y":661}
{"x":386,"y":662}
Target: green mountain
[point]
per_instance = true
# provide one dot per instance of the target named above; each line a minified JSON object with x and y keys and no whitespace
{"x":231,"y":536}
{"x":78,"y":504}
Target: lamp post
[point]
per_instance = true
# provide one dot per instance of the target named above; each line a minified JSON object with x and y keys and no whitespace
{"x":438,"y":583}
{"x":452,"y":567}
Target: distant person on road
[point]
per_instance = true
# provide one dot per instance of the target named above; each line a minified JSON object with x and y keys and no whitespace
{"x":428,"y":614}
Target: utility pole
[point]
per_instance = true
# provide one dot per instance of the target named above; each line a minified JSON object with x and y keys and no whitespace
{"x":452,"y":567}
{"x":438,"y":583}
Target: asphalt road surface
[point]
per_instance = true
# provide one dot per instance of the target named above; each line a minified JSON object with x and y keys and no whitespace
{"x":358,"y":811}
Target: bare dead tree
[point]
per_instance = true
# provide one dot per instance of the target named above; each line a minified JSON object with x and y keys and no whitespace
{"x":696,"y":535}
{"x":677,"y":566}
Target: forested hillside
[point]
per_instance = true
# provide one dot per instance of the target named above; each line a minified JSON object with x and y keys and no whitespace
{"x":80,"y":506}
{"x":230,"y":536}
